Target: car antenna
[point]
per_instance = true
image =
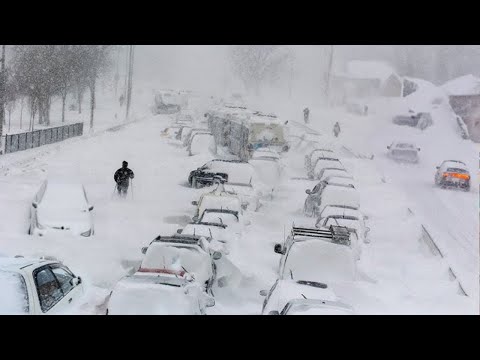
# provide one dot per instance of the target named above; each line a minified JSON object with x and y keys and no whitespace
{"x":304,"y":297}
{"x":291,"y":274}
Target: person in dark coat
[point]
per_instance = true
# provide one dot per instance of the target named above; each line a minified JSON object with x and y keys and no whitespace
{"x":122,"y":178}
{"x":336,"y":129}
{"x":306,"y":115}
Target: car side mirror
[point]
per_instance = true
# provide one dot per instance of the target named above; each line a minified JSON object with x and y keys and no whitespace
{"x":308,"y":191}
{"x":279,"y":249}
{"x":76,"y":281}
{"x":217,"y":255}
{"x":35,"y":205}
{"x":179,"y":231}
{"x":263,"y":292}
{"x":144,"y":250}
{"x":274,"y":312}
{"x":90,"y":208}
{"x":195,"y":203}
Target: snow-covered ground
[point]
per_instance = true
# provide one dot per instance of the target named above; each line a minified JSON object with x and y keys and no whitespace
{"x":398,"y":275}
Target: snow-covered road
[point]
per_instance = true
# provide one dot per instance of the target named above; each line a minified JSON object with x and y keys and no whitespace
{"x":397,"y":277}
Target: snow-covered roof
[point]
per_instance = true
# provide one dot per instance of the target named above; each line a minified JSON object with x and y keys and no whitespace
{"x":359,"y":69}
{"x":464,"y":85}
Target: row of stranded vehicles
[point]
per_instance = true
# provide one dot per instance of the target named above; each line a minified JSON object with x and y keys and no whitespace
{"x":178,"y":273}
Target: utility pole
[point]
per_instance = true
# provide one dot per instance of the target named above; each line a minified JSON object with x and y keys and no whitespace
{"x":130,"y":78}
{"x":329,"y":74}
{"x":2,"y":97}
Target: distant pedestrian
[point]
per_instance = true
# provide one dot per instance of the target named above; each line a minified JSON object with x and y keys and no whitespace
{"x":122,"y":178}
{"x":306,"y":115}
{"x":336,"y":129}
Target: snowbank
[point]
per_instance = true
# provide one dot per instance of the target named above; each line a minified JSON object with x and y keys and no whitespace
{"x":464,"y":85}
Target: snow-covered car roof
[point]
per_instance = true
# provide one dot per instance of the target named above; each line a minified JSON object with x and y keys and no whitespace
{"x":336,"y":195}
{"x":334,"y":172}
{"x":455,"y":164}
{"x":208,"y":230}
{"x":60,"y":195}
{"x":138,"y":295}
{"x":339,"y":180}
{"x":464,"y":85}
{"x":17,"y":263}
{"x":238,"y":172}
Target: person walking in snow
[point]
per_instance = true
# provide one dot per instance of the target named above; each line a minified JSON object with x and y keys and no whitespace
{"x":306,"y":115}
{"x":336,"y":129}
{"x":122,"y":178}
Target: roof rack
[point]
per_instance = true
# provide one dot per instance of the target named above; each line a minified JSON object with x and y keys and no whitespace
{"x":337,"y":234}
{"x":179,"y":239}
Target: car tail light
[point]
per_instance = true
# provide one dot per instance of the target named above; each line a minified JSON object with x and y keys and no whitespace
{"x":458,"y":176}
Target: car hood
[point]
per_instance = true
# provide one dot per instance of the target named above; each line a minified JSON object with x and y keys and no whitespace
{"x":74,"y":220}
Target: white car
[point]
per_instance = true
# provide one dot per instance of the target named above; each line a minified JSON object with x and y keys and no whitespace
{"x":159,"y":293}
{"x":334,"y":210}
{"x":219,"y":235}
{"x":314,"y":197}
{"x":325,"y":173}
{"x":290,"y":297}
{"x":314,"y":155}
{"x":37,"y":287}
{"x":61,"y":208}
{"x":314,"y":254}
{"x":403,"y":152}
{"x":337,"y":195}
{"x":182,"y":254}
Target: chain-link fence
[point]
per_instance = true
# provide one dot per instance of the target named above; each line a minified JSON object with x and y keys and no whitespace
{"x":33,"y":139}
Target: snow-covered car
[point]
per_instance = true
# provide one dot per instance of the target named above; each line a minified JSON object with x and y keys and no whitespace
{"x":299,"y":297}
{"x":314,"y":254}
{"x":191,"y":255}
{"x":166,"y":102}
{"x":170,"y":132}
{"x":326,"y":173}
{"x":192,"y":131}
{"x":453,"y":173}
{"x":268,"y":168}
{"x":315,"y":154}
{"x":164,"y":292}
{"x":324,"y":163}
{"x":314,"y":196}
{"x":403,"y":152}
{"x":337,"y":195}
{"x":420,"y":120}
{"x":355,"y":224}
{"x":219,"y":235}
{"x":229,"y":170}
{"x":217,"y":200}
{"x":202,"y":143}
{"x":61,"y":207}
{"x":36,"y":287}
{"x":183,"y":132}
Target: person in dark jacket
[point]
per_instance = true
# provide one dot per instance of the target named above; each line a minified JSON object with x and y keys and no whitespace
{"x":306,"y":115}
{"x":336,"y":129}
{"x":122,"y":178}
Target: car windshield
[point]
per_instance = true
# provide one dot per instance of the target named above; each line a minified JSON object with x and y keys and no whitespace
{"x":14,"y":296}
{"x":219,"y":218}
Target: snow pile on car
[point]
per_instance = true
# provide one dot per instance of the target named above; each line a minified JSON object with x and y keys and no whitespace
{"x":14,"y":300}
{"x":464,"y":85}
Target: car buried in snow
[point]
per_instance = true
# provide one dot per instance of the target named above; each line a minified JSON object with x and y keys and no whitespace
{"x":299,"y":297}
{"x":165,"y":292}
{"x":314,"y":254}
{"x":202,"y":142}
{"x":218,"y":235}
{"x":324,"y":162}
{"x":314,"y":196}
{"x":37,"y":287}
{"x":420,"y":120}
{"x":315,"y":154}
{"x":228,"y":170}
{"x":216,"y":199}
{"x":182,"y":254}
{"x":403,"y":152}
{"x":453,"y":174}
{"x":61,"y":208}
{"x":337,"y":195}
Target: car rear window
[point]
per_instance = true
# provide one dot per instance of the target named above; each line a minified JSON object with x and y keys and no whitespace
{"x":14,"y":298}
{"x":457,"y":170}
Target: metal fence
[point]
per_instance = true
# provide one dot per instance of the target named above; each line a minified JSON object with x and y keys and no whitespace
{"x":36,"y":138}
